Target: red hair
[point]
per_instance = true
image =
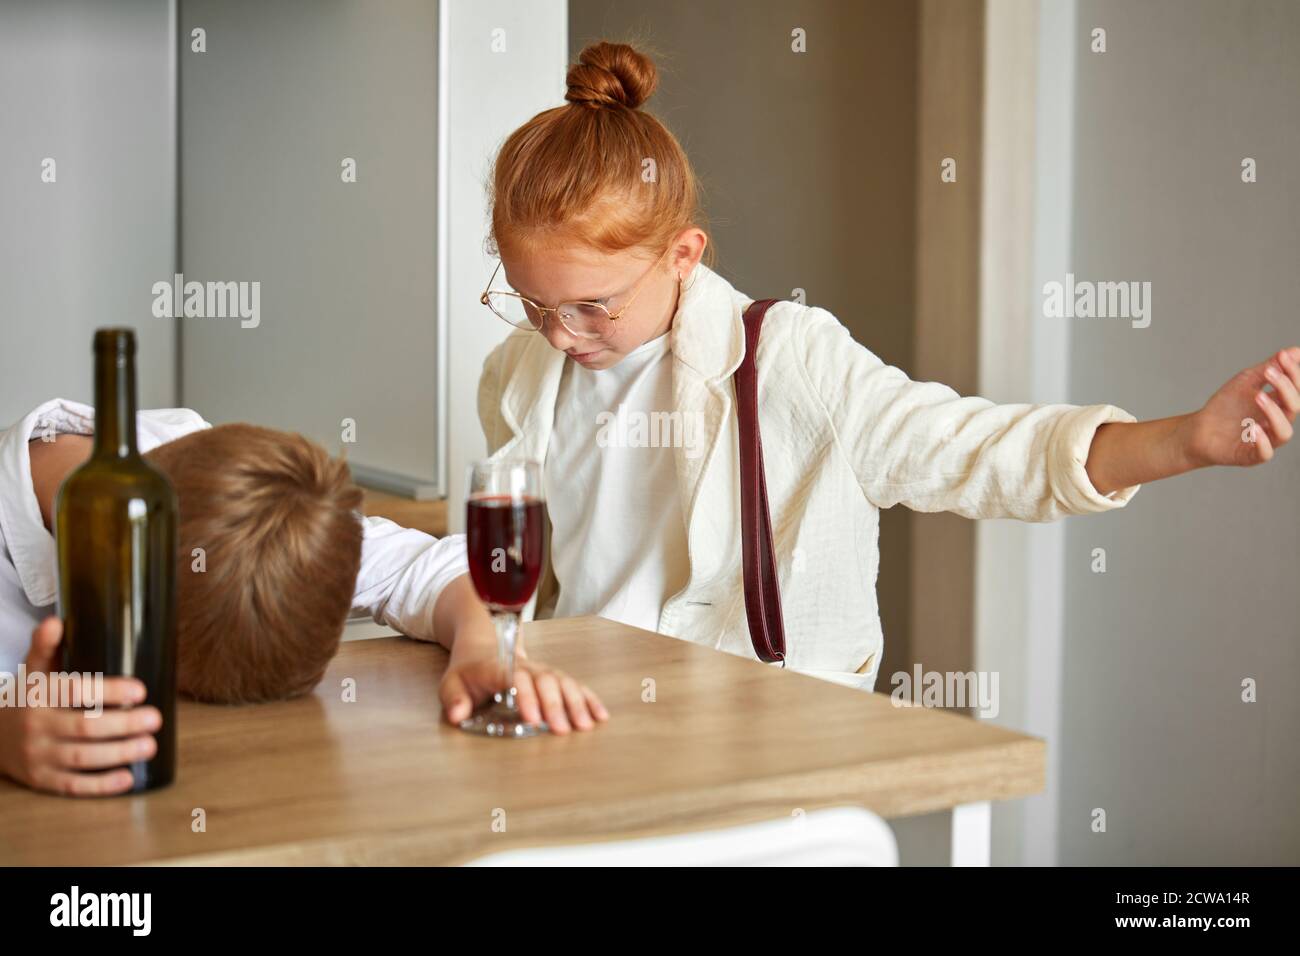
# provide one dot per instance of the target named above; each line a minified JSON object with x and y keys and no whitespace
{"x":582,"y":173}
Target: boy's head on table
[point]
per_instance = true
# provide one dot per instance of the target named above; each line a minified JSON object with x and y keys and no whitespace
{"x":269,"y":546}
{"x":272,"y":554}
{"x":261,"y":607}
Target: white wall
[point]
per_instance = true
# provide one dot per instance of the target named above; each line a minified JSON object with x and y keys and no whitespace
{"x":88,"y":84}
{"x":1024,"y":229}
{"x":358,"y":281}
{"x":282,"y":95}
{"x":1049,"y":357}
{"x":487,"y":96}
{"x":1134,"y":676}
{"x":1199,"y":591}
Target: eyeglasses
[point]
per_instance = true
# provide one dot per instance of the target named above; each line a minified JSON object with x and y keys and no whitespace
{"x":583,"y":320}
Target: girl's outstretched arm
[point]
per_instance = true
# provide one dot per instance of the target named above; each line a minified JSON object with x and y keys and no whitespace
{"x":1241,"y":425}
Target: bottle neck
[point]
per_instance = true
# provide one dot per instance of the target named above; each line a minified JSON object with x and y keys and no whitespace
{"x":114,"y":404}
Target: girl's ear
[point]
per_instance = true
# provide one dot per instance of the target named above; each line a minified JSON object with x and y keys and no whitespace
{"x":688,"y":250}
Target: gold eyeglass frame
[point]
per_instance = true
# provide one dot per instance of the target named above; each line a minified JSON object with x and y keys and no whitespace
{"x":542,"y":310}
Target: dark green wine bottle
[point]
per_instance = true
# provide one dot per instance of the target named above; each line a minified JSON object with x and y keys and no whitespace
{"x":115,"y":526}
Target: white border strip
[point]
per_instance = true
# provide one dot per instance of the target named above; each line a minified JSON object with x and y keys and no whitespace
{"x":443,"y":253}
{"x":1050,"y":373}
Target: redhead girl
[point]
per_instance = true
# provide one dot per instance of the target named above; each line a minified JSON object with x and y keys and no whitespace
{"x":621,"y":327}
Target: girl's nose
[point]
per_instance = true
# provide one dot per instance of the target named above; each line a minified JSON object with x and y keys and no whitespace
{"x":556,"y":334}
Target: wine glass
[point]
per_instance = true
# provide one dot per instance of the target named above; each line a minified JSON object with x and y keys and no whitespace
{"x":503,"y":521}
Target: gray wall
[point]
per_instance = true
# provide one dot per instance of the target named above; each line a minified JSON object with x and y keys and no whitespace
{"x":1200,"y":590}
{"x":283,"y":94}
{"x":88,"y":84}
{"x":807,"y":163}
{"x":489,"y":92}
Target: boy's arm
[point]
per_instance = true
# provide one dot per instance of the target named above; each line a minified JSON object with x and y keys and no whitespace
{"x":55,"y":453}
{"x":420,"y":585}
{"x":403,"y":572}
{"x":1241,"y":425}
{"x":51,"y":462}
{"x":473,"y":673}
{"x":63,"y":749}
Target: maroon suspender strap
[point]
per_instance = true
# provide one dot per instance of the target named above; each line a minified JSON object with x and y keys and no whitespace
{"x":762,"y":589}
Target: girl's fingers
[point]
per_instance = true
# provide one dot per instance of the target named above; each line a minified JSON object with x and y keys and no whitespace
{"x":1285,"y":392}
{"x":552,"y":699}
{"x":71,"y":755}
{"x":103,"y":784}
{"x":1263,"y":446}
{"x":576,"y":703}
{"x":1278,"y":425}
{"x":1289,"y":359}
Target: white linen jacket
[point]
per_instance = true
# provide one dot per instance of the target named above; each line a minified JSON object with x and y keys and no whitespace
{"x":844,"y":435}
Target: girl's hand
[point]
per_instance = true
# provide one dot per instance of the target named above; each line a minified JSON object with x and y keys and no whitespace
{"x":544,"y":693}
{"x":66,"y":750}
{"x":1242,"y":424}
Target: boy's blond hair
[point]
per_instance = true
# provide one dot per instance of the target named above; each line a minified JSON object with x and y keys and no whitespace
{"x":261,"y":608}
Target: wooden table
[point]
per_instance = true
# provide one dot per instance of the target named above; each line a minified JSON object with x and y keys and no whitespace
{"x":383,"y":780}
{"x":427,"y":516}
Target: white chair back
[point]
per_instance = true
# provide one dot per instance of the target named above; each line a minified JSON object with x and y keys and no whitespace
{"x":844,"y":836}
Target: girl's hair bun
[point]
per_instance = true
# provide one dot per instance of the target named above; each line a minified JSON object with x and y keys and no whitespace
{"x":611,"y":75}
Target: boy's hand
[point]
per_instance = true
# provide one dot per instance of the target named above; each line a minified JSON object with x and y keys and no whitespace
{"x":1216,"y":434}
{"x":63,"y":750}
{"x":544,"y":693}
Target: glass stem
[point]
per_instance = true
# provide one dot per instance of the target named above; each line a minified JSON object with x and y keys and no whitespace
{"x":507,"y":625}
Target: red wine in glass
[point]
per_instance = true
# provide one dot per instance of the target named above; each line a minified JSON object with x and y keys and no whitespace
{"x":505,"y":549}
{"x":504,"y":518}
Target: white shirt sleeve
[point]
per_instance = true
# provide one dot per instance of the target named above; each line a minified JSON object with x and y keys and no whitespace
{"x":922,"y":445}
{"x":158,"y":426}
{"x":403,"y":573}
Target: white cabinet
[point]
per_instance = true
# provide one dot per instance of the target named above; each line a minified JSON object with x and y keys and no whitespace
{"x":336,"y":154}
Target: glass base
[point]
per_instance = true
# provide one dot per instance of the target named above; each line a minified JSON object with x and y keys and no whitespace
{"x":501,"y":718}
